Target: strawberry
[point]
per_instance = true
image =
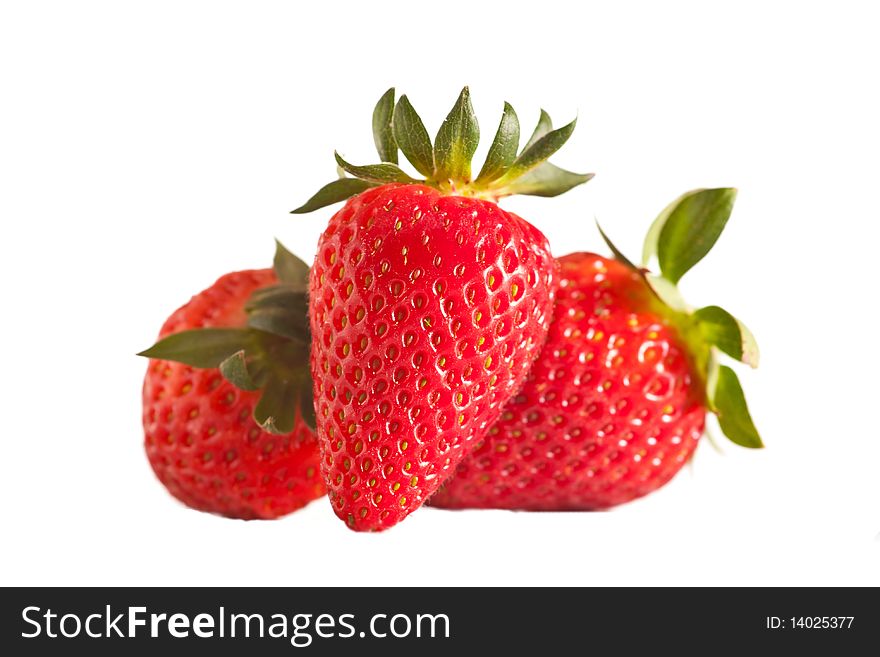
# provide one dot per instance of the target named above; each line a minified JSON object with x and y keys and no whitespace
{"x":616,"y":403}
{"x":199,"y":398}
{"x":428,"y":304}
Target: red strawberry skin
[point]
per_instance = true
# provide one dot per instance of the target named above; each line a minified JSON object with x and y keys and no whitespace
{"x":426,"y":313}
{"x":611,"y":410}
{"x":200,"y":437}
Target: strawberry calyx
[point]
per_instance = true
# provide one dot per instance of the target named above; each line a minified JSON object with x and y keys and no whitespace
{"x":678,"y":239}
{"x":445,"y":164}
{"x":270,"y":354}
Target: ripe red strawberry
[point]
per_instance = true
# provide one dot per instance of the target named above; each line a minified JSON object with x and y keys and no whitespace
{"x":616,"y":403}
{"x":428,"y":305}
{"x":200,"y":436}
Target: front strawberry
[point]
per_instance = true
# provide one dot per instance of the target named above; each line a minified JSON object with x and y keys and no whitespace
{"x":616,"y":403}
{"x":428,"y":304}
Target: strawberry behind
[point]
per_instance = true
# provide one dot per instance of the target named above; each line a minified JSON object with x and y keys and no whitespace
{"x":200,"y":437}
{"x":227,"y":408}
{"x":610,"y":411}
{"x":616,"y":403}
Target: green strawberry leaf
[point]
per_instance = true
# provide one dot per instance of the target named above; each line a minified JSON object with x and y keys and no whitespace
{"x":729,"y":404}
{"x":376,"y":173}
{"x":234,"y":369}
{"x":614,"y":250}
{"x":288,"y":268}
{"x":667,"y":292}
{"x":726,"y":332}
{"x":382,"y":131}
{"x":503,"y":150}
{"x":276,"y":410}
{"x":307,"y":405}
{"x":412,"y":138}
{"x":271,"y":354}
{"x":281,"y":310}
{"x":250,"y":360}
{"x":649,"y":248}
{"x":203,"y":348}
{"x":334,"y":192}
{"x":446,"y":164}
{"x":538,"y":152}
{"x":545,"y":180}
{"x":544,"y":126}
{"x":687,"y":229}
{"x":456,"y":141}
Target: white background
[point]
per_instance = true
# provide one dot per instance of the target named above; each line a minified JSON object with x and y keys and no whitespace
{"x":149,"y":147}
